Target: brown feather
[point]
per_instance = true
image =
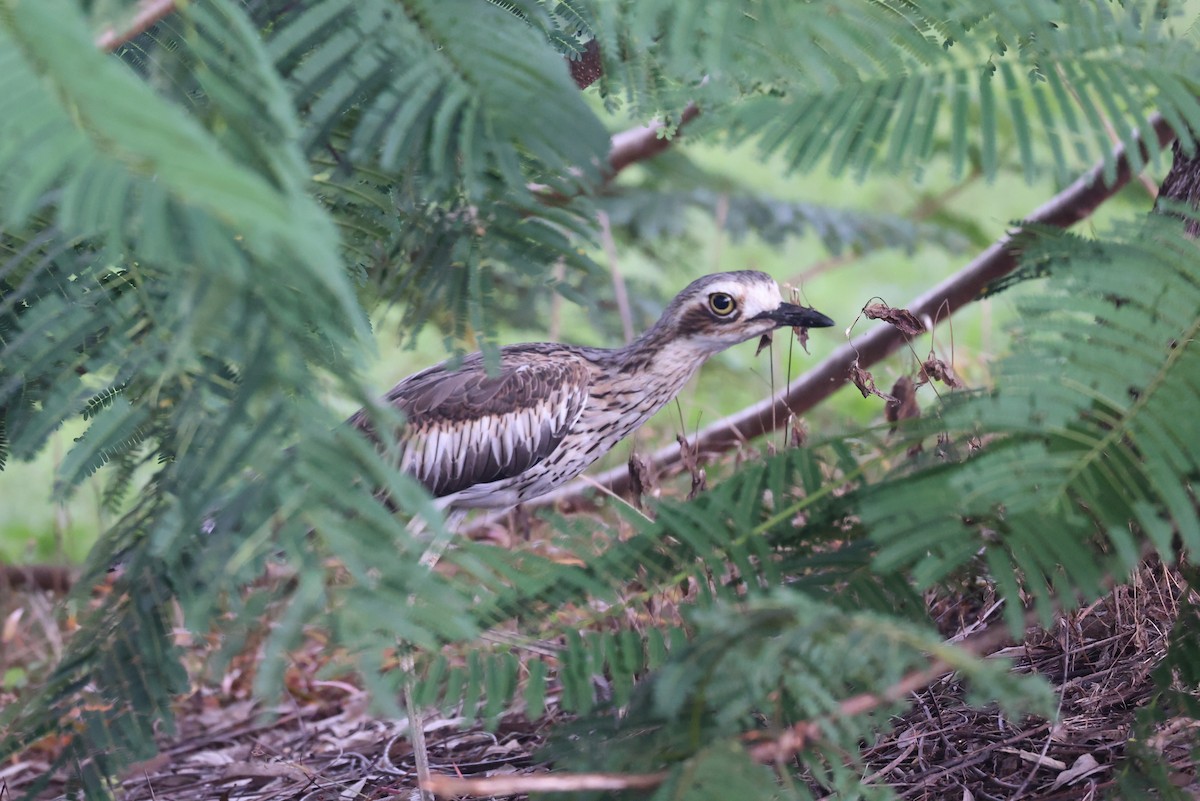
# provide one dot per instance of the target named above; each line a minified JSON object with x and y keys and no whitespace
{"x":467,"y":427}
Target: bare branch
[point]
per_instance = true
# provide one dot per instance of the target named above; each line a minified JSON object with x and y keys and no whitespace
{"x":639,"y":144}
{"x":1068,"y":207}
{"x":149,"y":12}
{"x":625,"y":148}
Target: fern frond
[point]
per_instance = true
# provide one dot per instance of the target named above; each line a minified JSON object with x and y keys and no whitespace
{"x":765,"y":664}
{"x":734,"y":542}
{"x":166,"y":244}
{"x":650,"y":215}
{"x":448,"y":88}
{"x":870,"y":86}
{"x":1090,"y":446}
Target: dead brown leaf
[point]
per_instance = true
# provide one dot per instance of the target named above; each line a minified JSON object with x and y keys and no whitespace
{"x":799,"y":433}
{"x":902,"y":319}
{"x":934,"y":369}
{"x":903,"y":405}
{"x":802,"y":335}
{"x":866,"y":382}
{"x":691,"y":462}
{"x":640,"y":482}
{"x":763,"y":342}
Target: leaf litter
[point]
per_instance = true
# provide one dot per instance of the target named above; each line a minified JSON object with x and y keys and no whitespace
{"x":324,"y":743}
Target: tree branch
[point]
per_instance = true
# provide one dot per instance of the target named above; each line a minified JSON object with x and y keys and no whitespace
{"x":639,"y":144}
{"x":149,"y":13}
{"x":1068,"y":207}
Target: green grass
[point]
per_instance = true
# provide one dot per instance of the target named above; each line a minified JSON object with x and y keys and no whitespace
{"x":35,"y":529}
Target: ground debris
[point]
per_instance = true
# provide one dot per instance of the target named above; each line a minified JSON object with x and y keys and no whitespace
{"x":319,"y":751}
{"x":1099,"y":660}
{"x":324,"y":743}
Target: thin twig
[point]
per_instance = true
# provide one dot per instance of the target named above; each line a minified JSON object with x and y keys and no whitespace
{"x":1068,"y":207}
{"x":416,"y":732}
{"x":149,"y":13}
{"x":614,"y":267}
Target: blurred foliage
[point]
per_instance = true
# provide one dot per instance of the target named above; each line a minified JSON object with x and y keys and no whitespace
{"x":195,"y":230}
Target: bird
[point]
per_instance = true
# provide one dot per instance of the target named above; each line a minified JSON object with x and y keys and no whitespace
{"x":482,"y":435}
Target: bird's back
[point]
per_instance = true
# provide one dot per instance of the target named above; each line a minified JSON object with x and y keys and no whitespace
{"x":466,"y":426}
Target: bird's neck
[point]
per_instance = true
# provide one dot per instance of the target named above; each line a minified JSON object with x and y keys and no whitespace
{"x":659,"y":361}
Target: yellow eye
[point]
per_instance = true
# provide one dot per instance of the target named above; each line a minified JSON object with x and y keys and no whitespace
{"x":721,"y":304}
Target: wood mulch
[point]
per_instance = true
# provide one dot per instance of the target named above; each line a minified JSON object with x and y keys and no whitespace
{"x":324,"y":744}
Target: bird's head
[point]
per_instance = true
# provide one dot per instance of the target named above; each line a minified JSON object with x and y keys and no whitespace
{"x":723,"y":309}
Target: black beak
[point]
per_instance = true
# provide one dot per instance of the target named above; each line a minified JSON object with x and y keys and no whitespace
{"x":789,"y":315}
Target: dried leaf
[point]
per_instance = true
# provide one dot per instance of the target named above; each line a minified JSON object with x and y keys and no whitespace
{"x":903,"y":405}
{"x":862,"y":379}
{"x":763,"y":342}
{"x":353,"y":791}
{"x":1084,"y":766}
{"x":640,"y":482}
{"x":9,"y":632}
{"x":866,"y":382}
{"x":934,"y":369}
{"x":799,"y":433}
{"x":943,"y":446}
{"x":688,"y":455}
{"x":902,"y":319}
{"x":802,"y":335}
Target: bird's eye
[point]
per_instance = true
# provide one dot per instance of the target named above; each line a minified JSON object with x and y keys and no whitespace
{"x":721,"y":304}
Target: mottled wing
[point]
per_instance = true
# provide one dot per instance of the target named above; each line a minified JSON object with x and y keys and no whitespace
{"x":465,"y":427}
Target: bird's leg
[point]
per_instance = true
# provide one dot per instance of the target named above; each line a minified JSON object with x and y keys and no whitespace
{"x":440,"y":541}
{"x":416,"y":726}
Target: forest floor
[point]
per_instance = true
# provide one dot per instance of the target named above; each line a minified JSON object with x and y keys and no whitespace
{"x":323,"y":743}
